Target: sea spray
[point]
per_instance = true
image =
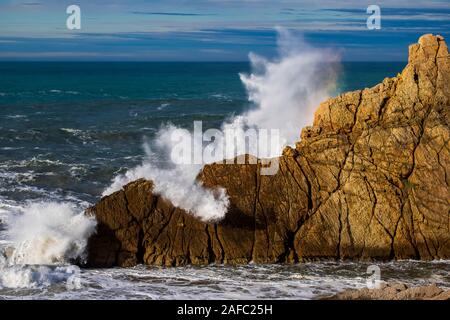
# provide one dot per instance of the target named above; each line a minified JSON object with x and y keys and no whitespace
{"x":49,"y":233}
{"x":44,"y":238}
{"x":287,"y":90}
{"x":176,"y":182}
{"x":284,"y":93}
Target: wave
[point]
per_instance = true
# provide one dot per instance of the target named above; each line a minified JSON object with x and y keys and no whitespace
{"x":37,"y":277}
{"x":287,"y":90}
{"x":310,"y":280}
{"x":80,"y":134}
{"x":163,"y":106}
{"x":284,"y":93}
{"x":16,"y":116}
{"x":62,"y":91}
{"x":11,"y":148}
{"x":43,"y":239}
{"x":177,"y":183}
{"x":73,"y":131}
{"x":36,"y":161}
{"x":221,"y":96}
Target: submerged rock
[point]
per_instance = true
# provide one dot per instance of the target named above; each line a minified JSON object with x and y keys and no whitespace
{"x":395,"y":291}
{"x":369,"y":180}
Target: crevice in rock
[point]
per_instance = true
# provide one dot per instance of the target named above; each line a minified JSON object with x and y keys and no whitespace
{"x":211,"y":254}
{"x":140,"y":247}
{"x":222,"y":258}
{"x":255,"y":204}
{"x":338,"y":249}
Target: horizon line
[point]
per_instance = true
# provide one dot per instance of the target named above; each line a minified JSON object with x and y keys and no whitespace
{"x":171,"y":61}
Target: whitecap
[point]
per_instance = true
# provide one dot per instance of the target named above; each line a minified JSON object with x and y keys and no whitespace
{"x":80,"y":134}
{"x":15,"y":116}
{"x":43,"y":238}
{"x":11,"y":148}
{"x":70,"y":130}
{"x":163,"y":106}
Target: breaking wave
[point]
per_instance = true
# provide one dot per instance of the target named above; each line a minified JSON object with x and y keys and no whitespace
{"x":284,"y":92}
{"x":41,"y":241}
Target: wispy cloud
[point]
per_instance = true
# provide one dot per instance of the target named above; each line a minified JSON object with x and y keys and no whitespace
{"x":31,"y":4}
{"x":287,"y":11}
{"x":393,"y":11}
{"x":182,"y":14}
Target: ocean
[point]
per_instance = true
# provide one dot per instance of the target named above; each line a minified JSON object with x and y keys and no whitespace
{"x":68,"y":128}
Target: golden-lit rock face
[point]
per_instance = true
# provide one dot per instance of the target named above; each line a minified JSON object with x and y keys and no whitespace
{"x":369,"y":180}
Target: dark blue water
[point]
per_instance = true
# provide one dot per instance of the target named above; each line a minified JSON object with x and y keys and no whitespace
{"x":66,"y":129}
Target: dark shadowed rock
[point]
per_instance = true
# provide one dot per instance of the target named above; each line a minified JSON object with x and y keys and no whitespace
{"x":369,"y":180}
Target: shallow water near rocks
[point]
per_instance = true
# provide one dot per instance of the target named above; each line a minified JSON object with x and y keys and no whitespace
{"x":300,"y":281}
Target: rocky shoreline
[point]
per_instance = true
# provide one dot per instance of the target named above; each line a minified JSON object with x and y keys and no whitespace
{"x":395,"y":291}
{"x":368,"y":181}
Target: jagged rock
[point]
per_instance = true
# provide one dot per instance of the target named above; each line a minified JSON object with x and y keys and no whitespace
{"x":395,"y":291}
{"x":369,"y":180}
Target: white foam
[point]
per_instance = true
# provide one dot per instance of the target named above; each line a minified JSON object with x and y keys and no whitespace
{"x":177,"y":183}
{"x":287,"y":90}
{"x":15,"y":116}
{"x":42,"y":239}
{"x":34,"y":277}
{"x":301,"y":281}
{"x":49,"y":233}
{"x":73,"y":131}
{"x":163,"y":106}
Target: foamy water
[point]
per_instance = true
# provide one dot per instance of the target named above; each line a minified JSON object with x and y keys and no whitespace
{"x":302,"y":281}
{"x":39,"y":241}
{"x":46,"y":237}
{"x":49,"y":235}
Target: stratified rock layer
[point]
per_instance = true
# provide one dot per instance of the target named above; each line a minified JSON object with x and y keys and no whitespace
{"x":369,"y":180}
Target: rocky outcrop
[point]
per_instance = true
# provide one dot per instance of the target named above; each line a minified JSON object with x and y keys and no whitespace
{"x":395,"y":291}
{"x":369,"y":180}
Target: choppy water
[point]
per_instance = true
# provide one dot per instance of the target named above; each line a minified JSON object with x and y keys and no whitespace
{"x":302,"y":281}
{"x":66,"y":129}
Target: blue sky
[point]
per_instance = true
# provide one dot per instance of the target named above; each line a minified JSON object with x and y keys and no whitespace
{"x":211,"y":30}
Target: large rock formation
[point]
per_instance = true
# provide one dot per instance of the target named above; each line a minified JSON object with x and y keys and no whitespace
{"x":369,"y":180}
